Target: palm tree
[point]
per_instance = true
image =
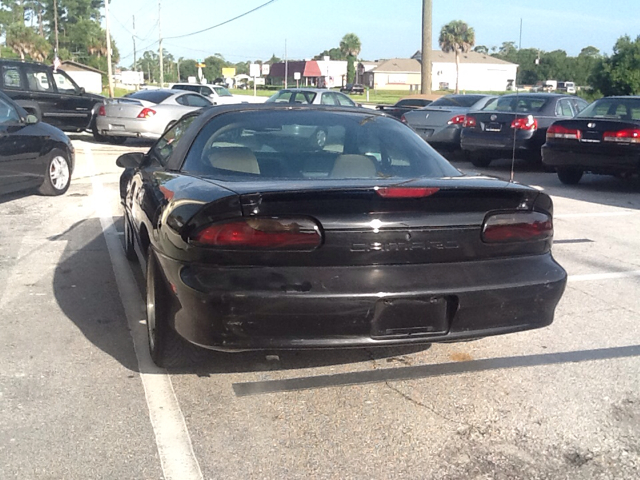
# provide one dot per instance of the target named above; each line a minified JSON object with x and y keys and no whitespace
{"x":457,"y":36}
{"x":350,"y":46}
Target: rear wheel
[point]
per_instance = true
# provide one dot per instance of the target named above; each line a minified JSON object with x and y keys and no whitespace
{"x":96,"y":134}
{"x":167,"y":348}
{"x":116,"y":140}
{"x":319,"y":138}
{"x":478,"y":159}
{"x":57,"y":177}
{"x":569,"y":176}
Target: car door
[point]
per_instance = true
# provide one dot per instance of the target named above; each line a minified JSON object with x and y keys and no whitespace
{"x":42,"y":92}
{"x":20,"y":163}
{"x":73,"y":108}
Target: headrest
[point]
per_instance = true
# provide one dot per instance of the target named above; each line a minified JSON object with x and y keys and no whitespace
{"x":235,"y":159}
{"x":353,"y":166}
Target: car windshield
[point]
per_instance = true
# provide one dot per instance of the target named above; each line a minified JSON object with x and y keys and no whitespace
{"x":313,"y":145}
{"x":155,"y":96}
{"x":615,"y":107}
{"x":221,"y":91}
{"x":516,"y":103}
{"x":456,"y":101}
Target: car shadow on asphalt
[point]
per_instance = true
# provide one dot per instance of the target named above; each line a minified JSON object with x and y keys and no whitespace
{"x":433,"y":370}
{"x":85,"y":289}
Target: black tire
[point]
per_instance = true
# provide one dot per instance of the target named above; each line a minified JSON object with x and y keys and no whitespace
{"x":569,"y":176}
{"x":477,"y":159}
{"x":57,"y":176}
{"x":129,"y":239}
{"x":116,"y":140}
{"x":319,"y":138}
{"x":96,"y":135}
{"x":167,"y":348}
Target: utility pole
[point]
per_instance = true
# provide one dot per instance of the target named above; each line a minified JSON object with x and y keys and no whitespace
{"x":425,"y":68}
{"x":109,"y":68}
{"x":286,"y":64}
{"x":55,"y":22}
{"x":135,"y":62}
{"x":160,"y":48}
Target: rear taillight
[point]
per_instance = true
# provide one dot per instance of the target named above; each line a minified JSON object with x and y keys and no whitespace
{"x":457,"y":120}
{"x":403,"y":119}
{"x":405,"y":192}
{"x":146,"y":113}
{"x":102,"y":111}
{"x":526,"y":123}
{"x":270,"y":233}
{"x":517,"y":227}
{"x":469,"y":122}
{"x":560,"y":131}
{"x":628,"y":135}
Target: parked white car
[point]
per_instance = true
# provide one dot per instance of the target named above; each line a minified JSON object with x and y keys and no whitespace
{"x":218,"y":94}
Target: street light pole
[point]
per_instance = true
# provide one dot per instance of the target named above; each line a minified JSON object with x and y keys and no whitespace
{"x":109,"y":67}
{"x":425,"y":68}
{"x":160,"y":48}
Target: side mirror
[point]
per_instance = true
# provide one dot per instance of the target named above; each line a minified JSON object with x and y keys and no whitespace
{"x":130,"y":160}
{"x":31,"y":119}
{"x":82,"y":91}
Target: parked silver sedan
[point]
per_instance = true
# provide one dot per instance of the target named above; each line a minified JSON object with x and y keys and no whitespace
{"x":440,"y":122}
{"x":311,"y":96}
{"x":145,"y":114}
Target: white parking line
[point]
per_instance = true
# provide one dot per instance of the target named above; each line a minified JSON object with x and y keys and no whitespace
{"x":603,"y":276}
{"x":595,"y":214}
{"x":172,"y":436}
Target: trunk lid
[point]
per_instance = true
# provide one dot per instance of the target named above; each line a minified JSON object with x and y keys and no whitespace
{"x":360,"y":227}
{"x":126,"y":107}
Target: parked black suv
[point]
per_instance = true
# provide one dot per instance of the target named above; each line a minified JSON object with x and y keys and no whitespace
{"x":52,"y":97}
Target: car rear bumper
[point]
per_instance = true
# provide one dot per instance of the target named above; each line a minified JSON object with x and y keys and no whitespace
{"x":130,"y":127}
{"x":604,"y":162}
{"x":234,"y":308}
{"x":448,"y":136}
{"x":473,"y":141}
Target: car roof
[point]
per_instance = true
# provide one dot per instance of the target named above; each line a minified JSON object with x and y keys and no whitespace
{"x":296,"y":89}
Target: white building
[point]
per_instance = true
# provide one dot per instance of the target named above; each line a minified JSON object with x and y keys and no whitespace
{"x":478,"y":72}
{"x":85,"y":76}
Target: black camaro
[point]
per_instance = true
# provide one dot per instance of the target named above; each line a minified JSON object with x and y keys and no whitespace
{"x":255,"y":237}
{"x":32,"y":154}
{"x":604,"y":138}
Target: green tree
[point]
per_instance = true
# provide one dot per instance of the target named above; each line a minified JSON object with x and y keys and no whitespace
{"x":350,"y":46}
{"x":457,"y":36}
{"x":333,"y":54}
{"x":27,"y":43}
{"x":620,"y":73}
{"x":481,"y":49}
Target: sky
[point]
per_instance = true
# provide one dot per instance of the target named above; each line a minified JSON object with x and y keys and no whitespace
{"x":386,"y":28}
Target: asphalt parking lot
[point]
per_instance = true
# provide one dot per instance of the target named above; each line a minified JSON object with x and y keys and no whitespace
{"x":80,"y":397}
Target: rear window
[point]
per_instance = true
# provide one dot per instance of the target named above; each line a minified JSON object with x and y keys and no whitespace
{"x":517,"y":104}
{"x":615,"y":108}
{"x":412,"y":102}
{"x":457,"y":101}
{"x":155,"y":96}
{"x":311,"y":145}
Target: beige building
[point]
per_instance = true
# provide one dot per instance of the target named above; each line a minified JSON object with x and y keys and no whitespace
{"x":478,"y":72}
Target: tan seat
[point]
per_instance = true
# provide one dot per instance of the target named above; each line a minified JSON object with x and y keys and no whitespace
{"x":353,"y":166}
{"x":235,"y":159}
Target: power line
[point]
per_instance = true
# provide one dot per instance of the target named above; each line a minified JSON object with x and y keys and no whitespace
{"x":220,"y":24}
